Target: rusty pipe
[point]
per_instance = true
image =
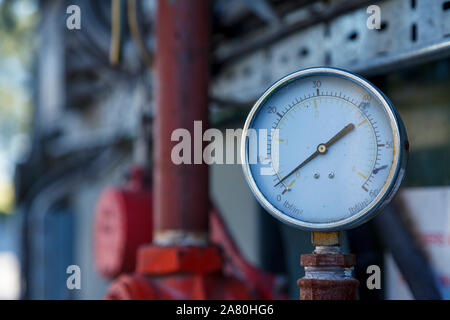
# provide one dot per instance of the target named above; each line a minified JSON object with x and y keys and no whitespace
{"x":182,"y":70}
{"x":328,"y":274}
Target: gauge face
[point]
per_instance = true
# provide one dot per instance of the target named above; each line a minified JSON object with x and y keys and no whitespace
{"x":330,"y":149}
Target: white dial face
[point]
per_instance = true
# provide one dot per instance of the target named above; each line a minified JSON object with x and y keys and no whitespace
{"x":332,"y":150}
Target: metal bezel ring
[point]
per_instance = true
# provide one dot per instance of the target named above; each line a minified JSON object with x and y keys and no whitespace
{"x":392,"y":182}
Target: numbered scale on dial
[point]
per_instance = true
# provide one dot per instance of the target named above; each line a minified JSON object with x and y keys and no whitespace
{"x":330,"y":149}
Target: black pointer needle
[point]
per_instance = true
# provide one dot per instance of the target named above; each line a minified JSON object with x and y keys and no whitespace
{"x":321,"y":149}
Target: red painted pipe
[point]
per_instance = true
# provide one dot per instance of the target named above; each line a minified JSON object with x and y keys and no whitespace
{"x":182,"y":72}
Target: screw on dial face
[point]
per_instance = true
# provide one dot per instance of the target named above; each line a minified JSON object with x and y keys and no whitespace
{"x":334,"y":149}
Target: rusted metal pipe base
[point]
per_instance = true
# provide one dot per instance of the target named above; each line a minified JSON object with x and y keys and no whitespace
{"x":314,"y":289}
{"x":328,"y":275}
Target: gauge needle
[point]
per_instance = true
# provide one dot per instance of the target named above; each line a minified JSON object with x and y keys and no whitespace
{"x":321,"y":149}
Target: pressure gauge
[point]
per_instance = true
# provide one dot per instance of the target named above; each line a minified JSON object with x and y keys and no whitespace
{"x":323,"y":149}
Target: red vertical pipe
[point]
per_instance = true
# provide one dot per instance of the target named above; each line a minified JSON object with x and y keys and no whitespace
{"x":182,"y":72}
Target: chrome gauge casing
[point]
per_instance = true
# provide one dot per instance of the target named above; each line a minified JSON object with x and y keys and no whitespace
{"x":353,"y":177}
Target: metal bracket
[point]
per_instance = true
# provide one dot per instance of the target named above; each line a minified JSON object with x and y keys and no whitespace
{"x":411,"y":32}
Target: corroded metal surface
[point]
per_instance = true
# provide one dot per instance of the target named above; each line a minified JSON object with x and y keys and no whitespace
{"x":328,"y":275}
{"x":317,"y":289}
{"x":182,"y":72}
{"x":318,"y":260}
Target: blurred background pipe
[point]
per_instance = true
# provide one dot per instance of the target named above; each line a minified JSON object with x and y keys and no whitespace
{"x":407,"y":254}
{"x":182,"y":67}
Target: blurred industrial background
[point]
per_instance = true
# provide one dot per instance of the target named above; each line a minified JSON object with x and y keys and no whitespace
{"x":76,"y":117}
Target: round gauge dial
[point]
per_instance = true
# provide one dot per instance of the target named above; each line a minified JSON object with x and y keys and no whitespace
{"x":323,"y":149}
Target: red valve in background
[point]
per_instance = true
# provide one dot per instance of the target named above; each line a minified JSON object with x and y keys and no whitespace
{"x":123,"y":223}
